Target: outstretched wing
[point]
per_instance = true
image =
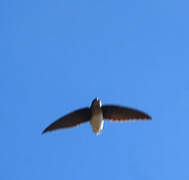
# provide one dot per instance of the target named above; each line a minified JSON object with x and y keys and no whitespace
{"x":70,"y":120}
{"x":120,"y":113}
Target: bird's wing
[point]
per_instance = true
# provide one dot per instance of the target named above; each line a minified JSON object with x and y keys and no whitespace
{"x":70,"y":120}
{"x":120,"y":113}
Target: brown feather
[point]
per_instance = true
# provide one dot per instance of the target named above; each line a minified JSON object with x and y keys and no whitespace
{"x":120,"y":113}
{"x":70,"y":120}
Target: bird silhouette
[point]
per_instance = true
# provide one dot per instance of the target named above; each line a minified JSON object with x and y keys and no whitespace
{"x":96,"y":114}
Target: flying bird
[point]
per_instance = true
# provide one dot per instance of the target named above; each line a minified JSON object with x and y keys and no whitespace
{"x":96,"y":114}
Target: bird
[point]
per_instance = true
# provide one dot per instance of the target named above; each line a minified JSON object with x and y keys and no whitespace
{"x":96,"y":114}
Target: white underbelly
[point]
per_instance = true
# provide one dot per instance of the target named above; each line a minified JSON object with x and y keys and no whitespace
{"x":97,"y":123}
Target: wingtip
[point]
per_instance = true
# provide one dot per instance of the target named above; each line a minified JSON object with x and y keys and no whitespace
{"x":44,"y":131}
{"x":149,"y":118}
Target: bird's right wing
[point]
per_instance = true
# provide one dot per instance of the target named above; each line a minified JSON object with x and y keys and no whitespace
{"x":70,"y":120}
{"x":120,"y":113}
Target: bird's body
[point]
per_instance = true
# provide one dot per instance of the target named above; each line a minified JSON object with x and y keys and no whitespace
{"x":96,"y":115}
{"x":96,"y":119}
{"x":97,"y":123}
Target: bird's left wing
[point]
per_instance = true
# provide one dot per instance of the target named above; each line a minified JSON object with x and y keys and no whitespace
{"x":120,"y":113}
{"x":70,"y":120}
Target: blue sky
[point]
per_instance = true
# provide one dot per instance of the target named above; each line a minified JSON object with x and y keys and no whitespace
{"x":56,"y":56}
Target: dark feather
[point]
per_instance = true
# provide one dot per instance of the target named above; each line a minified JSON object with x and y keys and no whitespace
{"x":70,"y":120}
{"x":120,"y":113}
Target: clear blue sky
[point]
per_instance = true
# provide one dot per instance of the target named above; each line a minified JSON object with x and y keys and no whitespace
{"x":56,"y":56}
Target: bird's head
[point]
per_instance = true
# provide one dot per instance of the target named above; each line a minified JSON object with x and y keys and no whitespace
{"x":96,"y":102}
